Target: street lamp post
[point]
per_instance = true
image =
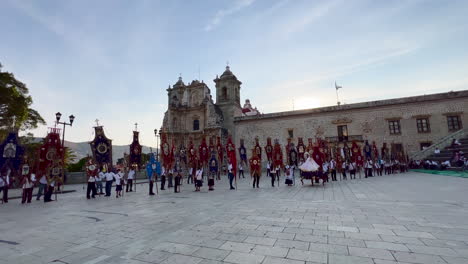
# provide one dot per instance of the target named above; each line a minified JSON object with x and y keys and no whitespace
{"x":58,"y":115}
{"x":157,"y":143}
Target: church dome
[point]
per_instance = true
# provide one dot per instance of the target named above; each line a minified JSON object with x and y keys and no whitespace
{"x":179,"y":83}
{"x":227,"y":72}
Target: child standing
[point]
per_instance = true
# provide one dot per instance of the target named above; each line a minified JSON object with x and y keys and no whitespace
{"x":27,"y":189}
{"x":177,"y":179}
{"x":289,"y":176}
{"x":118,"y":184}
{"x":273,"y":177}
{"x":199,"y":179}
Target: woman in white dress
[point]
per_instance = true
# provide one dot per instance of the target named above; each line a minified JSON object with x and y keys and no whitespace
{"x":307,"y":168}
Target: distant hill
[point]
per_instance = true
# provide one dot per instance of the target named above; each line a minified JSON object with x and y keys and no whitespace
{"x":82,"y":149}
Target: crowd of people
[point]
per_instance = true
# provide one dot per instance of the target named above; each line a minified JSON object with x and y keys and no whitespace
{"x":457,"y":159}
{"x":27,"y":183}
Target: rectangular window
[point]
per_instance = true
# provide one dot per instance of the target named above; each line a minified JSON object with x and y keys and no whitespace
{"x":290,"y":133}
{"x":394,"y":126}
{"x":343,"y":133}
{"x":423,"y":125}
{"x":196,"y":125}
{"x":454,"y":123}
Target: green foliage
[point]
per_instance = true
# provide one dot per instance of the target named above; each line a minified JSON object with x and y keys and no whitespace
{"x":15,"y":102}
{"x":145,"y":157}
{"x":77,"y":167}
{"x":70,"y":156}
{"x":31,"y":147}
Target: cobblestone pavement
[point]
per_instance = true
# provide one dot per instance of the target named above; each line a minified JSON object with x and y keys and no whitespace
{"x":403,"y":218}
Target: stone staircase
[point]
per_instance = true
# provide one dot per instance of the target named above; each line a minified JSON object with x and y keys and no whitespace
{"x":446,"y":150}
{"x":447,"y":153}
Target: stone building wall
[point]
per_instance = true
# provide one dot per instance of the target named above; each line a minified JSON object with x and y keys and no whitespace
{"x":368,"y":121}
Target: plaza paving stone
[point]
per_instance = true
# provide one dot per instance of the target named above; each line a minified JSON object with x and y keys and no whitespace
{"x":402,"y":218}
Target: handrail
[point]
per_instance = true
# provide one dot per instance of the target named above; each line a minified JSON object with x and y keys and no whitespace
{"x":441,"y":144}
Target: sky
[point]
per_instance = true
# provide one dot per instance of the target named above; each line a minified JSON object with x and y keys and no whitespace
{"x":113,"y":60}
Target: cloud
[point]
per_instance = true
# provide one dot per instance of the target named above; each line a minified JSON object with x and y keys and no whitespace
{"x":307,"y":16}
{"x":222,"y":13}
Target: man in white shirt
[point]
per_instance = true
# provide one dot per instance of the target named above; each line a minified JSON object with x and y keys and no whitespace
{"x":131,"y":176}
{"x":369,"y":165}
{"x":109,"y":179}
{"x":268,"y":166}
{"x":91,"y":187}
{"x":231,"y":175}
{"x":42,"y":184}
{"x":241,"y":170}
{"x":437,"y":151}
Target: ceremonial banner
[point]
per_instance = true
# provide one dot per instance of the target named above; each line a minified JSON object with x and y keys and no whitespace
{"x":91,"y":167}
{"x":310,"y":146}
{"x":269,"y":150}
{"x":254,"y":162}
{"x":277,"y":155}
{"x":172,"y":154}
{"x":101,"y":147}
{"x":367,"y":150}
{"x":375,"y":151}
{"x":242,"y":152}
{"x":51,"y":157}
{"x":300,"y":150}
{"x":357,"y":154}
{"x":192,"y":155}
{"x":212,"y":147}
{"x":346,"y":152}
{"x":135,"y":151}
{"x":318,"y":156}
{"x":231,"y":154}
{"x":213,"y":164}
{"x":165,"y":150}
{"x":183,"y":154}
{"x":258,"y":149}
{"x":11,"y":154}
{"x":219,"y":149}
{"x":384,"y":152}
{"x":203,"y":152}
{"x":153,"y":166}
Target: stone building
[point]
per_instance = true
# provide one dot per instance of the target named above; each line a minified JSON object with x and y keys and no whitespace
{"x":407,"y":124}
{"x":192,"y":114}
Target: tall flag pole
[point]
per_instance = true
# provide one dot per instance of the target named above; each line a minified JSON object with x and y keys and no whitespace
{"x":337,"y":87}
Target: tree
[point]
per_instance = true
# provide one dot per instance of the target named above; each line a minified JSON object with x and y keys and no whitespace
{"x":79,"y":166}
{"x":70,"y":156}
{"x":15,"y":102}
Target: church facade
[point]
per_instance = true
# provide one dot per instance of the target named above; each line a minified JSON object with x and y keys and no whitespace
{"x":192,"y":113}
{"x":404,"y":124}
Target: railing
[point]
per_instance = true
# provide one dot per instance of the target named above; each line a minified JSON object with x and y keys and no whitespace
{"x":343,"y":139}
{"x":441,"y":144}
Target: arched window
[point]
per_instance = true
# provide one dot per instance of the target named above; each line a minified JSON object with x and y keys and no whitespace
{"x":224,"y":93}
{"x":196,"y":125}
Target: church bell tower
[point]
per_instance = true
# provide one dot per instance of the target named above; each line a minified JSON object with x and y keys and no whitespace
{"x":228,"y":99}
